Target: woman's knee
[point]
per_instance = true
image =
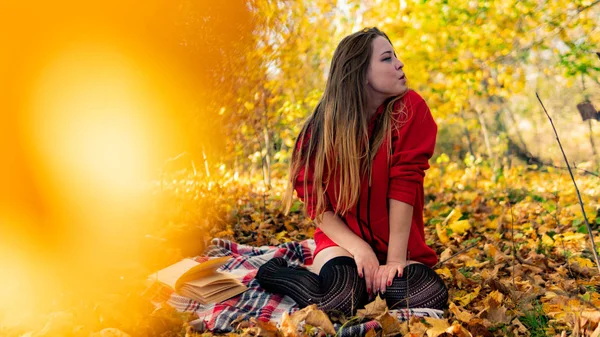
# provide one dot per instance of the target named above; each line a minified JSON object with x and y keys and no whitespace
{"x":420,"y":286}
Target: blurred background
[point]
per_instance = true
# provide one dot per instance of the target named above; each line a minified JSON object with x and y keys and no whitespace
{"x":131,"y":129}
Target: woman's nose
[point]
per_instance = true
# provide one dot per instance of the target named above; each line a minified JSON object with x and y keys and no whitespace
{"x":399,"y":65}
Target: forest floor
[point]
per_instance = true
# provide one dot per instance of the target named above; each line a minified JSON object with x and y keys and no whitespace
{"x":513,"y":246}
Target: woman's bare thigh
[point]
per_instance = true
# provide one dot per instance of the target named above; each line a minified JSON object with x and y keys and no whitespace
{"x":326,"y":255}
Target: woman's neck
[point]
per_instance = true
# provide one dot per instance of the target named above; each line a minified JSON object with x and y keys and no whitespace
{"x":373,"y":106}
{"x":374,"y":100}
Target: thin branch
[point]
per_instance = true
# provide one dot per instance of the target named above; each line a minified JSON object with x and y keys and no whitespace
{"x":512,"y":239}
{"x":585,"y":172}
{"x":453,"y":256}
{"x":587,"y":224}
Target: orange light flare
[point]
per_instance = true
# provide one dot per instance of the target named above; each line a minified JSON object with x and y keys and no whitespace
{"x":99,"y":95}
{"x":96,"y":129}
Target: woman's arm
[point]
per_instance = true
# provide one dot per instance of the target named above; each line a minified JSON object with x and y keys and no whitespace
{"x":413,"y":146}
{"x":400,"y":217}
{"x":364,"y":256}
{"x":400,"y":221}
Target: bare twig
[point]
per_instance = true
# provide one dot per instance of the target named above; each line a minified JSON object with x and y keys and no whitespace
{"x":453,"y":256}
{"x":512,"y":239}
{"x":587,"y":224}
{"x":575,"y":167}
{"x":568,"y":264}
{"x":407,"y":295}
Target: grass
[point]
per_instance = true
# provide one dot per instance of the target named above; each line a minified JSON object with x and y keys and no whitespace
{"x":536,"y":321}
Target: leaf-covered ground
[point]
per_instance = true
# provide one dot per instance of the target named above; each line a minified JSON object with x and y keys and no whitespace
{"x":513,"y":246}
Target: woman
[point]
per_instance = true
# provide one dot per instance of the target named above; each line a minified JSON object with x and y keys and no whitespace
{"x":358,"y":166}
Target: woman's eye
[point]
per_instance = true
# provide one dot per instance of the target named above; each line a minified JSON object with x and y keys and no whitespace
{"x":387,"y":59}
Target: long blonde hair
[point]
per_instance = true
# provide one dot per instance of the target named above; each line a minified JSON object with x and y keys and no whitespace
{"x":338,"y":128}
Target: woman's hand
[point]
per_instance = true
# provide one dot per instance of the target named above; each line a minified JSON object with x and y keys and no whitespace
{"x":367,"y":264}
{"x":386,"y":273}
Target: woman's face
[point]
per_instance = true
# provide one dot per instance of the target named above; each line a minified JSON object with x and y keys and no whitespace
{"x":385,"y":76}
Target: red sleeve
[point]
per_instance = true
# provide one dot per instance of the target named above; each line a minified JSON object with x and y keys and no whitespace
{"x":307,"y":196}
{"x":413,"y":146}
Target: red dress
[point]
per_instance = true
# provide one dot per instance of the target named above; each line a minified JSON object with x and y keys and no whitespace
{"x":400,"y":178}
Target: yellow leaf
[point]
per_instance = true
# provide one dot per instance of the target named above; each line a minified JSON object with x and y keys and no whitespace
{"x":320,"y":319}
{"x":494,"y":299}
{"x":466,"y":299}
{"x":463,"y":316}
{"x":547,"y":240}
{"x":458,"y":330}
{"x":373,"y":309}
{"x":461,"y":226}
{"x":453,"y":216}
{"x":288,"y":326}
{"x":281,"y":235}
{"x":446,"y":254}
{"x":389,"y":324}
{"x":474,"y":263}
{"x":438,"y":326}
{"x":492,"y":224}
{"x":570,"y":236}
{"x":441,"y":233}
{"x":583,"y":262}
{"x":444,"y":272}
{"x":313,"y":316}
{"x":490,"y":250}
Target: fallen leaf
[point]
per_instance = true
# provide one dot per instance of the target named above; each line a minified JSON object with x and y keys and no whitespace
{"x":441,"y":233}
{"x":313,"y":316}
{"x":593,"y":316}
{"x":319,"y":319}
{"x":416,"y":327}
{"x":466,"y":299}
{"x":458,"y":330}
{"x":454,"y":215}
{"x":494,"y":299}
{"x":522,"y":329}
{"x":498,"y":315}
{"x":477,"y":328}
{"x":389,"y":324}
{"x":444,"y":272}
{"x":463,"y":316}
{"x":459,"y":227}
{"x":547,"y":240}
{"x":373,"y":309}
{"x":287,"y":326}
{"x":437,"y":326}
{"x":266,"y":329}
{"x":446,"y":254}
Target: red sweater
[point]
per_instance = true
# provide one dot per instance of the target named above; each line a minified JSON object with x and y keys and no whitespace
{"x":401,"y":179}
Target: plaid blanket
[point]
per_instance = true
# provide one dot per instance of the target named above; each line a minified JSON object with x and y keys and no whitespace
{"x":256,"y":302}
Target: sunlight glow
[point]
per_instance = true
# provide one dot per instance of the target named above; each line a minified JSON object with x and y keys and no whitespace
{"x":96,"y":124}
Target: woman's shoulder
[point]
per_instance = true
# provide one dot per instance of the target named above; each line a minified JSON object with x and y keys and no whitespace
{"x":409,"y":106}
{"x":411,"y":99}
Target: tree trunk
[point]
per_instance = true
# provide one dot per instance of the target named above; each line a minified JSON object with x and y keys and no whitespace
{"x":594,"y":152}
{"x":467,"y":134}
{"x":486,"y":139}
